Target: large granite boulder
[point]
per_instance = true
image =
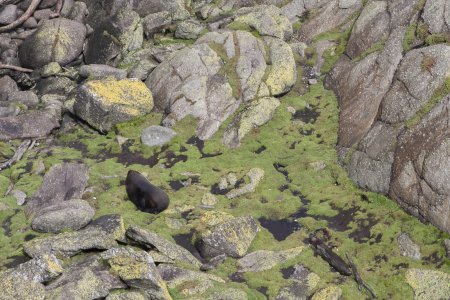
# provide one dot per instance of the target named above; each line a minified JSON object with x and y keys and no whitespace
{"x":36,"y":124}
{"x":262,"y":260}
{"x":104,"y":103}
{"x":59,"y":40}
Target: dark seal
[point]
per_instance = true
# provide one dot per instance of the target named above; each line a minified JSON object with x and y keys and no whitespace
{"x":146,"y":196}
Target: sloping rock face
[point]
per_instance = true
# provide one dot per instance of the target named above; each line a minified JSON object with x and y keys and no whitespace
{"x":393,"y":136}
{"x":221,"y":71}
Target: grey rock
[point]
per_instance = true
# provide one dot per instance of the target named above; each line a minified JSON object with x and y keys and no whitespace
{"x":77,"y":12}
{"x":232,"y":237}
{"x":141,"y":70}
{"x":267,"y":20}
{"x":104,"y":103}
{"x":303,"y":284}
{"x":30,"y":23}
{"x":84,"y":282}
{"x":407,"y":247}
{"x":354,"y":84}
{"x":213,"y":262}
{"x":156,"y":23}
{"x":71,"y":214}
{"x":29,"y":98}
{"x":47,"y":3}
{"x":55,"y":85}
{"x":433,"y":15}
{"x":41,"y":269}
{"x":189,"y":29}
{"x":293,"y":10}
{"x":66,"y":36}
{"x":370,"y":166}
{"x":187,"y":86}
{"x":421,"y":72}
{"x":344,"y":4}
{"x":14,"y":288}
{"x":70,"y":243}
{"x":114,"y":37}
{"x":30,"y":125}
{"x":7,"y":86}
{"x":20,"y":196}
{"x":262,"y":260}
{"x":110,"y":224}
{"x":43,"y":14}
{"x":209,"y":199}
{"x":62,"y":182}
{"x":370,"y":28}
{"x":157,"y":135}
{"x":328,"y":17}
{"x":428,"y":284}
{"x":95,"y":71}
{"x":137,"y":269}
{"x":8,"y":14}
{"x":169,"y":249}
{"x":50,"y":69}
{"x":255,"y":175}
{"x":126,"y":295}
{"x":177,"y":277}
{"x":176,"y":8}
{"x":9,"y":111}
{"x":229,"y":294}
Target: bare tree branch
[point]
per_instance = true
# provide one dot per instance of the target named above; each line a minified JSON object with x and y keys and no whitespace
{"x":27,"y":144}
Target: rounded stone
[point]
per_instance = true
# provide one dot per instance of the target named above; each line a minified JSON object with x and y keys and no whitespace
{"x":157,"y":135}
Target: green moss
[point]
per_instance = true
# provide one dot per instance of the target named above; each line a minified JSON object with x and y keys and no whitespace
{"x":377,"y":47}
{"x":437,"y":38}
{"x":410,"y":36}
{"x":440,"y":93}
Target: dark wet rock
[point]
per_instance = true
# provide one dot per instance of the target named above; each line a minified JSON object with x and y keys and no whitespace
{"x":8,"y":14}
{"x":110,"y":224}
{"x":7,"y":87}
{"x":104,"y":103}
{"x":137,"y":269}
{"x":62,"y":182}
{"x":66,"y":36}
{"x":30,"y":23}
{"x":255,"y":175}
{"x":29,"y":98}
{"x":77,"y":12}
{"x":84,"y":282}
{"x":213,"y":262}
{"x":13,"y":289}
{"x":36,"y":124}
{"x":189,"y":29}
{"x":47,"y":3}
{"x":41,"y":269}
{"x":55,"y":85}
{"x":189,"y":282}
{"x":231,"y":237}
{"x":428,"y":284}
{"x":262,"y":260}
{"x":156,"y":23}
{"x":333,"y":259}
{"x":303,"y":284}
{"x":407,"y":247}
{"x":71,"y":214}
{"x":157,"y":135}
{"x":114,"y":37}
{"x":95,"y":71}
{"x":153,"y":241}
{"x":70,"y":243}
{"x":330,"y":16}
{"x":256,"y":113}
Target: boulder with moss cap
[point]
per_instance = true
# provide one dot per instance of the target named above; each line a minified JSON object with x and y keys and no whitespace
{"x":104,"y":103}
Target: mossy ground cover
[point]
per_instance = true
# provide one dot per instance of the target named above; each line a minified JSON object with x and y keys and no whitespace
{"x":363,"y":224}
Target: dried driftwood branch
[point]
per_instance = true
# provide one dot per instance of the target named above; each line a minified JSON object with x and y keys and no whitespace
{"x":23,"y":147}
{"x":15,"y":68}
{"x":358,"y":278}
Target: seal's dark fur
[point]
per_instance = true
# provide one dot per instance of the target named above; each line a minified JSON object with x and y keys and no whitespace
{"x":144,"y":195}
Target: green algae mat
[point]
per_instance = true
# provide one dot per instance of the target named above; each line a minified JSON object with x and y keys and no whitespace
{"x":304,"y":189}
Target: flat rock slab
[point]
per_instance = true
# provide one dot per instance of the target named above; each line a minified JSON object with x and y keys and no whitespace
{"x":157,"y":135}
{"x":36,"y":124}
{"x":71,"y":214}
{"x":169,"y":249}
{"x":13,"y":289}
{"x":62,"y":182}
{"x":98,"y":71}
{"x":262,"y":260}
{"x":428,"y":284}
{"x":40,"y":269}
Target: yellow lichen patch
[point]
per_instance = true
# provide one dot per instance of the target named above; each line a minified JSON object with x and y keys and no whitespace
{"x":428,"y":284}
{"x":282,"y":73}
{"x":212,"y":218}
{"x":331,"y":292}
{"x":127,"y":92}
{"x":259,"y":112}
{"x":52,"y":264}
